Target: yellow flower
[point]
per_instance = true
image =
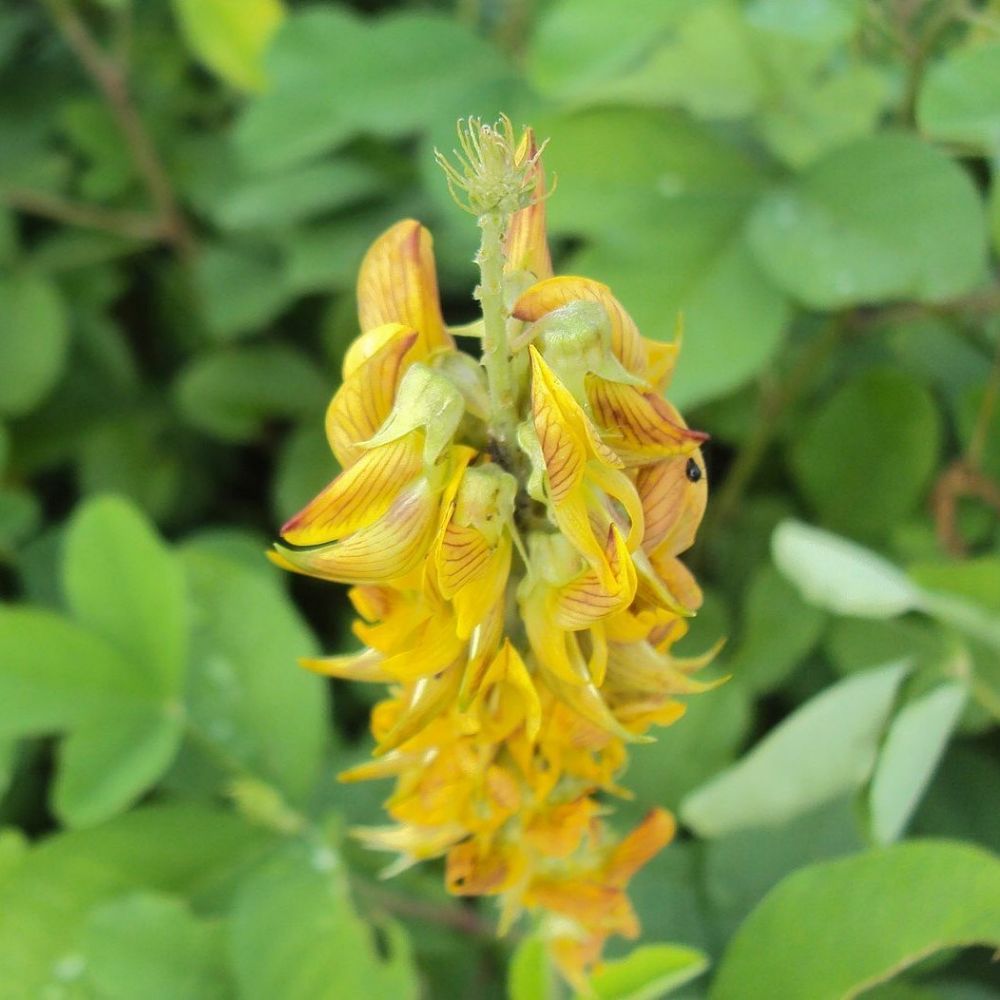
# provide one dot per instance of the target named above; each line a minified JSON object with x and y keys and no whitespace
{"x":512,"y":537}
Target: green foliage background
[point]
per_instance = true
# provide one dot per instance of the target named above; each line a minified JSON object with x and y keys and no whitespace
{"x":186,"y":189}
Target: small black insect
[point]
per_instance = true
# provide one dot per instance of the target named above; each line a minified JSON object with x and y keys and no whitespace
{"x":692,"y":470}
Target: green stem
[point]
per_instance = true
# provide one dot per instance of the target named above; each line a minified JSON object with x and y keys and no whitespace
{"x":496,"y":355}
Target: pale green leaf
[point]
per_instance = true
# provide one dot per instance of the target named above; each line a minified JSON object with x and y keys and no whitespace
{"x":913,"y":747}
{"x":832,"y":930}
{"x":122,"y":581}
{"x":826,"y":748}
{"x":294,"y":934}
{"x":150,"y":945}
{"x":530,"y":975}
{"x":231,"y":36}
{"x":960,"y":98}
{"x":648,"y":972}
{"x":840,"y":575}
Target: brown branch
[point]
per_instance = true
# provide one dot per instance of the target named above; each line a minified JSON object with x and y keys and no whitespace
{"x":130,"y":225}
{"x":111,"y":81}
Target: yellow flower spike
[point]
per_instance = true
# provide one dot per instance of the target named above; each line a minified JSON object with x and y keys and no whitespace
{"x":511,"y":531}
{"x":365,"y":399}
{"x":398,"y":284}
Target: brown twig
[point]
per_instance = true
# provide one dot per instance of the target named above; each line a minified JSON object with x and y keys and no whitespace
{"x":131,"y":225}
{"x":112,"y":82}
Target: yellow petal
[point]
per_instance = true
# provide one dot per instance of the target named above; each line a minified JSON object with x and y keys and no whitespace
{"x":366,"y":345}
{"x":383,"y":551}
{"x":428,"y":698}
{"x":586,"y":600}
{"x":626,"y":342}
{"x":363,"y":666}
{"x":508,"y":684}
{"x":360,"y":495}
{"x":473,"y":601}
{"x":640,"y":426}
{"x":398,"y":284}
{"x":433,"y":648}
{"x":364,"y":401}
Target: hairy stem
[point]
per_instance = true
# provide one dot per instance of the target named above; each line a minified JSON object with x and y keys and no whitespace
{"x":496,"y":356}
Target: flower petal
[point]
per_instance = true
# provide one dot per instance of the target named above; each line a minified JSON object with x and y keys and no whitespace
{"x":364,"y":401}
{"x":526,"y":247}
{"x":364,"y":666}
{"x":360,"y":495}
{"x":626,"y":341}
{"x":586,"y":600}
{"x":398,"y":284}
{"x":673,"y":503}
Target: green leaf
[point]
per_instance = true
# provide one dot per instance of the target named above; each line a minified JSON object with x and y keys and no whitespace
{"x":34,"y":335}
{"x":334,"y":75}
{"x":882,"y":218}
{"x":241,"y":289}
{"x":150,"y":945}
{"x":913,"y":747}
{"x":530,"y":975}
{"x":689,"y":260}
{"x":778,"y":631}
{"x":123,"y":732}
{"x":280,"y":200}
{"x":841,"y":576}
{"x":824,"y":749}
{"x":230,"y":36}
{"x":231,"y":394}
{"x":20,"y":517}
{"x":122,"y":581}
{"x":834,"y":929}
{"x":326,"y":952}
{"x":248,"y":698}
{"x":960,"y":98}
{"x":648,"y":972}
{"x":865,"y":458}
{"x":106,"y":763}
{"x":46,"y":899}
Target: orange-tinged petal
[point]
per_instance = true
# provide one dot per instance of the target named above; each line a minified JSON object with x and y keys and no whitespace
{"x":626,"y":342}
{"x":470,"y":870}
{"x":360,"y":495}
{"x":398,"y":284}
{"x":640,"y":426}
{"x":673,"y":498}
{"x":585,"y":600}
{"x":650,"y":837}
{"x":366,"y":345}
{"x":386,"y":550}
{"x":364,"y":401}
{"x":559,"y":829}
{"x":526,"y":247}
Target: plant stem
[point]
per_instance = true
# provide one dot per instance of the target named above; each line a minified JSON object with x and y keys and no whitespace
{"x":111,"y":81}
{"x":496,"y":355}
{"x":129,"y":225}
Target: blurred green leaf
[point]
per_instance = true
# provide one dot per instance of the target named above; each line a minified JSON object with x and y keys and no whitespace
{"x":853,"y":644}
{"x":841,"y":576}
{"x":325,"y":952}
{"x":34,"y":336}
{"x":45,"y":902}
{"x":150,"y":945}
{"x":648,"y":972}
{"x":882,"y":218}
{"x":777,"y":632}
{"x":241,"y":289}
{"x":849,"y":924}
{"x":864,"y":459}
{"x":333,"y":75}
{"x":826,"y":748}
{"x":960,"y":98}
{"x":230,"y":36}
{"x":281,"y":200}
{"x":91,"y":128}
{"x":530,"y":975}
{"x":122,"y":581}
{"x":913,"y":747}
{"x":249,"y":701}
{"x":231,"y":394}
{"x":742,"y":867}
{"x":20,"y":516}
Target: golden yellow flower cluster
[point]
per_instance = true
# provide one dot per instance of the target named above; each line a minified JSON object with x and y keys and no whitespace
{"x":519,"y":592}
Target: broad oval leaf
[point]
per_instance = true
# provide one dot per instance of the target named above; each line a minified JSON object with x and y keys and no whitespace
{"x":960,"y":98}
{"x":647,"y":973}
{"x":830,"y":931}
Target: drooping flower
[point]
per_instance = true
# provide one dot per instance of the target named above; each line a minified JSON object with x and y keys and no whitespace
{"x":512,"y":537}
